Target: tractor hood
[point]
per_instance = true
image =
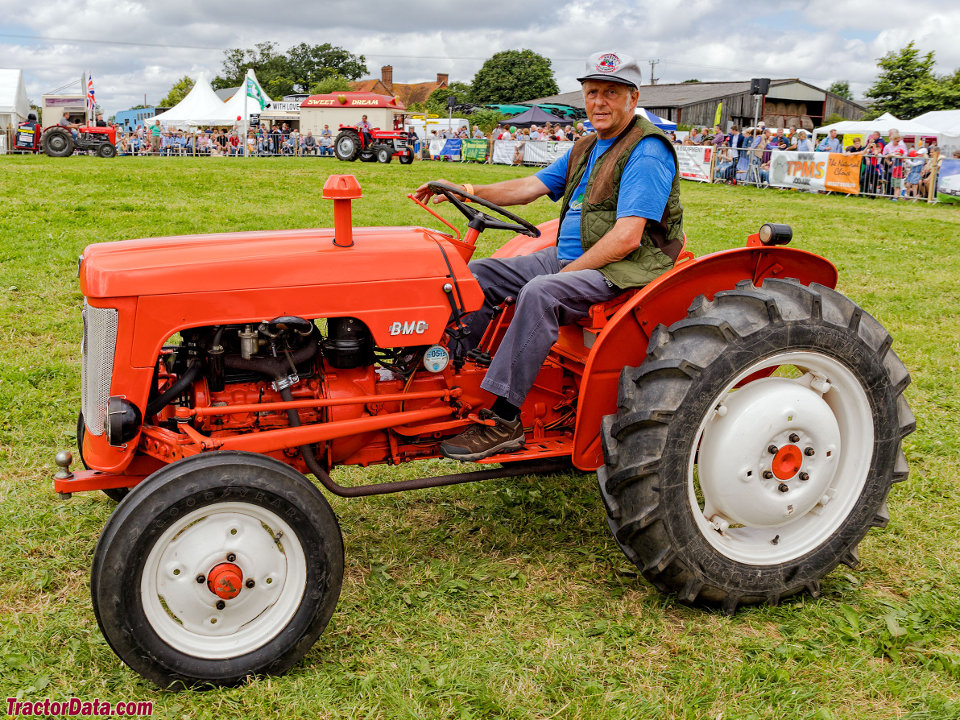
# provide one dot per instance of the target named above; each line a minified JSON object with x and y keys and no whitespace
{"x":262,"y":260}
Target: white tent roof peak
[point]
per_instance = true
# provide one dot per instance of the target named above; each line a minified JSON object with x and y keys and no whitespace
{"x":201,"y":106}
{"x":13,"y":95}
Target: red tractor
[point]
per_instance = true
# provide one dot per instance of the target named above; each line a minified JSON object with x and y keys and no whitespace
{"x":376,"y":146}
{"x":743,"y":418}
{"x":58,"y":141}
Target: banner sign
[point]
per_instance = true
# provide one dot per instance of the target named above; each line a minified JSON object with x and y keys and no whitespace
{"x":695,"y":162}
{"x":445,"y":149}
{"x":503,"y":151}
{"x":948,"y":182}
{"x":475,"y":150}
{"x":816,"y":171}
{"x":544,"y":153}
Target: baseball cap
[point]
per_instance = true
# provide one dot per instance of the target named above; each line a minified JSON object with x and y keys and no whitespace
{"x":613,"y":67}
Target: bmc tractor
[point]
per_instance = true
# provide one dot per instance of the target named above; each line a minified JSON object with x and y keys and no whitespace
{"x":743,"y":418}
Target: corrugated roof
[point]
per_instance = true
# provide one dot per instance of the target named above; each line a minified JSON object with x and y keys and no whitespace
{"x":673,"y":94}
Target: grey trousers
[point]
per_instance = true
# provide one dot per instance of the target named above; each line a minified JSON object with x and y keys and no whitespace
{"x":545,"y":299}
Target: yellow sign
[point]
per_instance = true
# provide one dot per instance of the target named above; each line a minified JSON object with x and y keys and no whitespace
{"x":848,"y":139}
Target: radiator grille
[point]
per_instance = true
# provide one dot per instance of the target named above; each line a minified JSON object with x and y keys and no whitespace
{"x":97,"y":351}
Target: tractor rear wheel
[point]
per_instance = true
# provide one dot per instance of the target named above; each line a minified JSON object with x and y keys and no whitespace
{"x":217,"y":567}
{"x":58,"y":142}
{"x":107,"y":150}
{"x":347,"y":146}
{"x":755,"y":446}
{"x":384,"y":154}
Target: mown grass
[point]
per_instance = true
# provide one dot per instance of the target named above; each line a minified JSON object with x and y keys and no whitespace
{"x":499,"y":600}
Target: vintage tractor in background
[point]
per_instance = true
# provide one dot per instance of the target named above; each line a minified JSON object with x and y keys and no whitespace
{"x":744,"y":420}
{"x":58,"y":141}
{"x":376,"y":146}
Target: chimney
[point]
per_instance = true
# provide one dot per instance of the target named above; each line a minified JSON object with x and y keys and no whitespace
{"x":386,"y":75}
{"x":442,"y":78}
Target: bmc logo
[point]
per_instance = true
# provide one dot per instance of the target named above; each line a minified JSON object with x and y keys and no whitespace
{"x":409,"y":328}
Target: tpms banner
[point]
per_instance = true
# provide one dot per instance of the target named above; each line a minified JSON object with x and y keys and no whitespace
{"x":816,"y":171}
{"x":694,"y":162}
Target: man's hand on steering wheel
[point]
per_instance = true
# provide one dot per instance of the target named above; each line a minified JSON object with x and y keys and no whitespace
{"x":444,"y":190}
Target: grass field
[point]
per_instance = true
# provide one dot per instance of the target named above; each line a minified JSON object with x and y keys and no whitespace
{"x":500,"y":600}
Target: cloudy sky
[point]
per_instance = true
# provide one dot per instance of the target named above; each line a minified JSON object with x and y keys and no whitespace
{"x":135,"y":48}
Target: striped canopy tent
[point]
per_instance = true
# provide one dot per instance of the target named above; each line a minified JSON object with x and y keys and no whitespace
{"x":656,"y":119}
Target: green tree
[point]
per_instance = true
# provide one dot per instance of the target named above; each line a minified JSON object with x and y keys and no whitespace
{"x":905,"y":83}
{"x":178,"y":92}
{"x":437,"y":102}
{"x":310,"y":64}
{"x":690,"y":81}
{"x":487,"y":119}
{"x":333,"y":83}
{"x":841,"y":88}
{"x":513,"y":76}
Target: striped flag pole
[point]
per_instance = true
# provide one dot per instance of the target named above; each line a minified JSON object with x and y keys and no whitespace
{"x":91,"y":98}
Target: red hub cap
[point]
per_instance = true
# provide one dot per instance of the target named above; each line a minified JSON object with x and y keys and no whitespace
{"x":225,"y":580}
{"x":787,"y":462}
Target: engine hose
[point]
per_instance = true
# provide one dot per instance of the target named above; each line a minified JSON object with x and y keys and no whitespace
{"x":182,"y":383}
{"x":274,"y":367}
{"x":307,"y":452}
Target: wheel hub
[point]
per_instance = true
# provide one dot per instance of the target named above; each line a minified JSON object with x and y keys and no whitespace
{"x":770,"y":456}
{"x":225,"y":581}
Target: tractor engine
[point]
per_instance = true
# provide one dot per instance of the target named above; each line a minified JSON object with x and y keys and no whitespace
{"x":216,"y":369}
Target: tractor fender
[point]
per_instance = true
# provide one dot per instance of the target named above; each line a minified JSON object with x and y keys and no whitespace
{"x":623,"y":340}
{"x":526,"y":245}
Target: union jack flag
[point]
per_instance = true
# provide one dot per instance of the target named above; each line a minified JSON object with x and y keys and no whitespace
{"x":91,"y":98}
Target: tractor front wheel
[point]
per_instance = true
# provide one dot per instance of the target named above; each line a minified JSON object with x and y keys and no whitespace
{"x":58,"y":142}
{"x":755,"y":446}
{"x":107,"y":150}
{"x":384,"y":154}
{"x":347,"y":146}
{"x":217,"y":567}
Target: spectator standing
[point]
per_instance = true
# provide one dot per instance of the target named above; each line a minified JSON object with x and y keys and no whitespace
{"x":155,"y":134}
{"x":718,"y":136}
{"x":736,"y":139}
{"x":802,"y":142}
{"x":477,"y":132}
{"x":326,"y":141}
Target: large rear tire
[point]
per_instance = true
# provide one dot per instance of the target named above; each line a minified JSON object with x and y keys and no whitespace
{"x":57,"y":142}
{"x":755,"y":446}
{"x":347,"y":146}
{"x":217,"y":567}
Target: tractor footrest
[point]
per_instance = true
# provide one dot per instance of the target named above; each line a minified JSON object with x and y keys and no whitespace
{"x":534,"y":450}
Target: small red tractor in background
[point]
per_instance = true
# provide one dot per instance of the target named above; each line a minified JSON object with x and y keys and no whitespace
{"x":58,"y":141}
{"x":377,"y":145}
{"x":744,"y":420}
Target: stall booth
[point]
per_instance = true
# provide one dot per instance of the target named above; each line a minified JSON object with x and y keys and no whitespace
{"x":348,"y":108}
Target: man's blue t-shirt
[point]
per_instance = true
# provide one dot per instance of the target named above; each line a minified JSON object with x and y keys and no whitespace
{"x":644,"y":188}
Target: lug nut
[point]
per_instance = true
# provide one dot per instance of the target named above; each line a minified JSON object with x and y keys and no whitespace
{"x":809,"y":452}
{"x":772,"y":449}
{"x":231,"y":557}
{"x":221,"y":604}
{"x":250,"y":583}
{"x":804,"y":476}
{"x":782,"y":487}
{"x":201,"y":579}
{"x":767,"y":474}
{"x":794,"y":438}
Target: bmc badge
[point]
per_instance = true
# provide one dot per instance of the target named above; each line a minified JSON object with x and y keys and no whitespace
{"x":608,"y":63}
{"x":418,"y":327}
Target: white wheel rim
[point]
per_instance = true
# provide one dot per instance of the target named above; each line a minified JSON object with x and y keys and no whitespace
{"x":183,"y":611}
{"x":764,"y":520}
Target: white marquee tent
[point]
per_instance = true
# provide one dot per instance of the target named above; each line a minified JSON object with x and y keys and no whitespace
{"x":883,"y":124}
{"x":202,"y":107}
{"x":235,"y":104}
{"x":947,"y":123}
{"x":14,"y":104}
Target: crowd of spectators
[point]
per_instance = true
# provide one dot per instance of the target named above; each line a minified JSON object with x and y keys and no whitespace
{"x":281,"y":139}
{"x":890,"y":167}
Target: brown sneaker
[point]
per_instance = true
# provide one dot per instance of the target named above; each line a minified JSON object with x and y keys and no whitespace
{"x":479,"y":441}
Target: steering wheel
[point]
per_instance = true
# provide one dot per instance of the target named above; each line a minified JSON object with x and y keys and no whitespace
{"x":480,"y":220}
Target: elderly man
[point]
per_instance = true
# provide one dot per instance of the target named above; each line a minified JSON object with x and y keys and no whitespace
{"x":621,"y":227}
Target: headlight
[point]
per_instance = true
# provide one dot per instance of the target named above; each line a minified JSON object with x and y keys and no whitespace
{"x":122,"y":422}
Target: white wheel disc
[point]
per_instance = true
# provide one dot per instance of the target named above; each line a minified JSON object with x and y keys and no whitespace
{"x":183,"y":611}
{"x":780,"y":462}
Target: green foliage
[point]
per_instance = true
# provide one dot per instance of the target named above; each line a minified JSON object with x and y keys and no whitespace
{"x":507,"y":599}
{"x":486,"y":119}
{"x":437,"y":102}
{"x":833,"y":117}
{"x":907,"y":86}
{"x":841,"y":88}
{"x":513,"y":76}
{"x":334,"y":83}
{"x":691,"y":80}
{"x":178,"y":92}
{"x":301,"y":68}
